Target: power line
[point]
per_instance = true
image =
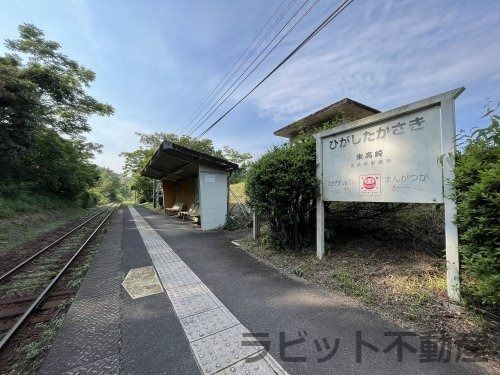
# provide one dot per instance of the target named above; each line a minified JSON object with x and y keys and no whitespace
{"x":323,"y":24}
{"x":260,"y":62}
{"x":223,"y":80}
{"x":228,"y":80}
{"x":222,"y":98}
{"x":201,"y":116}
{"x":217,"y":104}
{"x":194,"y":114}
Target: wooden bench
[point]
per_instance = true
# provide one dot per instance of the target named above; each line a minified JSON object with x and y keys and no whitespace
{"x":195,"y":207}
{"x":195,"y":214}
{"x":176,"y":208}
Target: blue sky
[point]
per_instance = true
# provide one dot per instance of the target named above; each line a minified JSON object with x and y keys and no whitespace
{"x":157,"y":60}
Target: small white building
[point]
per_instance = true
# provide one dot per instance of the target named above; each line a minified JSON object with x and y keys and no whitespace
{"x":192,"y":177}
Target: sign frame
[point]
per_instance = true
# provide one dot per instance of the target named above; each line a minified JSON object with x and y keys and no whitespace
{"x":446,"y":103}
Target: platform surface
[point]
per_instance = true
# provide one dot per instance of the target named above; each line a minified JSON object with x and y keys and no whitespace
{"x":214,"y":299}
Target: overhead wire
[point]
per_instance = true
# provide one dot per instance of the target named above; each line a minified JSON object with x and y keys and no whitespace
{"x":219,"y":103}
{"x":224,"y":98}
{"x":320,"y":27}
{"x":223,"y":80}
{"x":200,"y":118}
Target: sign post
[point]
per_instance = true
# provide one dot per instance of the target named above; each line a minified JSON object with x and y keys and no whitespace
{"x":406,"y":154}
{"x":448,"y":150}
{"x":320,"y":205}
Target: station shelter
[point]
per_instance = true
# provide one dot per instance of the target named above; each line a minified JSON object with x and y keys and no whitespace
{"x":191,"y":177}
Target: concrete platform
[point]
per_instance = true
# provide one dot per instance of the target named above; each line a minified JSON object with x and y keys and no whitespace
{"x":214,"y":296}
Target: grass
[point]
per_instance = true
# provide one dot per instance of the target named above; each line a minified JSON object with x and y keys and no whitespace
{"x":33,"y":351}
{"x":408,"y":281}
{"x":29,"y":357}
{"x":80,"y":272}
{"x":23,"y":227}
{"x":22,"y":284}
{"x":150,"y":206}
{"x":26,"y":212}
{"x":302,"y":271}
{"x":346,"y":282}
{"x":21,"y":200}
{"x":42,"y":270}
{"x":239,"y":191}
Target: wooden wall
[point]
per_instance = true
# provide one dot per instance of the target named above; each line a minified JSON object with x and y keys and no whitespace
{"x":168,"y":193}
{"x":186,"y":191}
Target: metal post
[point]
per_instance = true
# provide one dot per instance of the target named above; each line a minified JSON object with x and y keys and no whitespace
{"x":256,"y":225}
{"x":320,"y":228}
{"x":228,"y":208}
{"x":320,"y":206}
{"x":448,"y":150}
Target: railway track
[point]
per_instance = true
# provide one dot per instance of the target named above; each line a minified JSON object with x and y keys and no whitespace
{"x":51,"y":245}
{"x":18,"y":310}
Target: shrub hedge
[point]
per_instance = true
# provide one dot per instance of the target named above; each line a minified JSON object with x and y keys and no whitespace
{"x":282,"y":186}
{"x":477,"y":189}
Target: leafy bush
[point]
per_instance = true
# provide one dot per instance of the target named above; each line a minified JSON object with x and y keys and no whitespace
{"x":282,"y":186}
{"x":477,"y":183}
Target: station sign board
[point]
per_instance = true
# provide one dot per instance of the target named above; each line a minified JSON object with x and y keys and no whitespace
{"x":406,"y":154}
{"x":394,"y":160}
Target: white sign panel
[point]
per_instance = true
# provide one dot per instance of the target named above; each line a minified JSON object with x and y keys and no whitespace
{"x":210,"y":178}
{"x":406,"y":154}
{"x":395,"y":160}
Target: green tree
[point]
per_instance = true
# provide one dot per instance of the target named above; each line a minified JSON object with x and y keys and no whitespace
{"x":109,"y":187}
{"x":59,"y":82}
{"x":243,"y":159}
{"x":20,"y":109}
{"x":132,"y":167}
{"x":282,"y":186}
{"x":125,"y":191}
{"x":152,"y":142}
{"x":44,"y":110}
{"x":62,"y":165}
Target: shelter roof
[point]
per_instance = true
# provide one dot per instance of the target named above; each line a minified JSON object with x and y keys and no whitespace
{"x":351,"y":109}
{"x":175,"y":162}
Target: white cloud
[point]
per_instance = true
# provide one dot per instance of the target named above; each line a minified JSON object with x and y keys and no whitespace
{"x":384,"y":57}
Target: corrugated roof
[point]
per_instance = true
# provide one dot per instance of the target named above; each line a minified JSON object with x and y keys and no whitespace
{"x":175,"y":162}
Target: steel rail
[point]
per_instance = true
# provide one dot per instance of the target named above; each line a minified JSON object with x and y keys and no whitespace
{"x":44,"y":293}
{"x":12,"y":270}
